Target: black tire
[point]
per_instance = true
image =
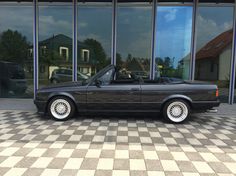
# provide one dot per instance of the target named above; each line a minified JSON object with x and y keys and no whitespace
{"x":66,"y":103}
{"x":180,"y":114}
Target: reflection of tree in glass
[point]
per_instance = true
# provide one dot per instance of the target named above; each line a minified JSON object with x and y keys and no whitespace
{"x":99,"y":53}
{"x":51,"y":57}
{"x":119,"y":61}
{"x":166,"y":69}
{"x":13,"y":47}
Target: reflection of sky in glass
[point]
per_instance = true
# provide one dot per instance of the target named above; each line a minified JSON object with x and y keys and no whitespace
{"x":134,"y":31}
{"x":212,"y":21}
{"x":55,"y":20}
{"x":173,"y":38}
{"x":19,"y":18}
{"x":96,"y":23}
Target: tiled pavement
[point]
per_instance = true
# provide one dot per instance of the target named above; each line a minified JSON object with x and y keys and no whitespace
{"x":31,"y":145}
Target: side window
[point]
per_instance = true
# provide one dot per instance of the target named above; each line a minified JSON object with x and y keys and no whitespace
{"x":107,"y":77}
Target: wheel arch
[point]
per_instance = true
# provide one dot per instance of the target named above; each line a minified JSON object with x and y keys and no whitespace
{"x":179,"y":97}
{"x":60,"y":94}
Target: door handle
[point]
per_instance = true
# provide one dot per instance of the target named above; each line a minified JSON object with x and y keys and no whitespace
{"x":135,"y":89}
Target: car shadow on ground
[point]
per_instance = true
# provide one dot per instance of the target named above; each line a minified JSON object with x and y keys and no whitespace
{"x":132,"y":117}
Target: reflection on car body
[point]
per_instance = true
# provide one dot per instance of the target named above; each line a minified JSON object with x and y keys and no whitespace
{"x":111,"y":91}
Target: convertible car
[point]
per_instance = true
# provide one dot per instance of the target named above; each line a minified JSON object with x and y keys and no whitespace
{"x":118,"y":90}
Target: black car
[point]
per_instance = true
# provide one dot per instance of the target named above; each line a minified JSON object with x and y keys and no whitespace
{"x":12,"y":78}
{"x":65,"y":75}
{"x":110,"y":91}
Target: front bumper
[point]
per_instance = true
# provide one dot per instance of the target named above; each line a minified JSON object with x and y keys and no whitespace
{"x":41,"y":106}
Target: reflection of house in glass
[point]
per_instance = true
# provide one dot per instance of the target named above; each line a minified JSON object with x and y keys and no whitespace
{"x":183,"y":67}
{"x":138,"y":66}
{"x":213,"y":60}
{"x":56,"y":52}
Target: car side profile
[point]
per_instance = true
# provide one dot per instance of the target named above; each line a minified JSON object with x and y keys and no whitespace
{"x":117,"y":90}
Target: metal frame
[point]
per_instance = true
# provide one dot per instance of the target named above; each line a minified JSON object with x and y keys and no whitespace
{"x":114,"y":32}
{"x":75,"y":37}
{"x":233,"y":62}
{"x":35,"y":46}
{"x":193,"y":41}
{"x":53,"y":4}
{"x":153,"y":44}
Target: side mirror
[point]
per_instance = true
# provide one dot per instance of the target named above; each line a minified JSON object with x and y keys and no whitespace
{"x":98,"y":83}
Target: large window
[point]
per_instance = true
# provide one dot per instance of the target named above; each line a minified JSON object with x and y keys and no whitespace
{"x":134,"y":32}
{"x":173,"y":41}
{"x":94,"y":36}
{"x":16,"y":50}
{"x":55,"y":42}
{"x":214,"y":46}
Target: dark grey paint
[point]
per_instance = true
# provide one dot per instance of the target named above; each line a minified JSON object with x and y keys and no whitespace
{"x":137,"y":97}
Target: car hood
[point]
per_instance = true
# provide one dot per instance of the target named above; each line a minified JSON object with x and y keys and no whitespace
{"x":63,"y":85}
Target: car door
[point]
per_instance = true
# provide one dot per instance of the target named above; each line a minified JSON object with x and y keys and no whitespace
{"x":152,"y":95}
{"x":112,"y":96}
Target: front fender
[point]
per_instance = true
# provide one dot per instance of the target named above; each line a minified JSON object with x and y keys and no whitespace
{"x":53,"y":94}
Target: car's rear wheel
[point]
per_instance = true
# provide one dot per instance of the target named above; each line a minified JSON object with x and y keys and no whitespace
{"x":61,"y":108}
{"x":176,"y":111}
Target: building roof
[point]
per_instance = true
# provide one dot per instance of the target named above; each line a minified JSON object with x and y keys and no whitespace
{"x":216,"y":46}
{"x":61,"y":39}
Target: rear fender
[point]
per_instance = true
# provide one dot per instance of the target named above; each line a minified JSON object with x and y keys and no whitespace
{"x":177,"y":96}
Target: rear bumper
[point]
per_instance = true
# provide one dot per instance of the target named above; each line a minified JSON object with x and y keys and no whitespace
{"x":205,"y":105}
{"x":41,"y":106}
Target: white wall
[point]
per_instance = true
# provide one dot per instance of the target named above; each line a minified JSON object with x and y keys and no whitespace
{"x":224,"y":64}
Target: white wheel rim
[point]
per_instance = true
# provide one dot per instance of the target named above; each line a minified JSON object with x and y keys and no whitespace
{"x":177,"y":111}
{"x":60,"y":109}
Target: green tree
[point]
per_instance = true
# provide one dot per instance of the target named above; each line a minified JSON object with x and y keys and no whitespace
{"x":129,"y":58}
{"x":119,"y":61}
{"x":99,"y":52}
{"x":13,"y":47}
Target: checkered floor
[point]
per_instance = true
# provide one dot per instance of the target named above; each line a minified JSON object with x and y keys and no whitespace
{"x":31,"y":145}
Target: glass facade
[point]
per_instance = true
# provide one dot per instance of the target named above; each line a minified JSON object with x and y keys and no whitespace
{"x":214,"y":46}
{"x":47,"y":42}
{"x":55,"y":43}
{"x":94,"y":36}
{"x":16,"y":52}
{"x":134,"y":33}
{"x":173,"y":41}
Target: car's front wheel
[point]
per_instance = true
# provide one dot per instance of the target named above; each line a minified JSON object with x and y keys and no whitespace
{"x":61,"y":108}
{"x":176,"y":111}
